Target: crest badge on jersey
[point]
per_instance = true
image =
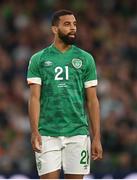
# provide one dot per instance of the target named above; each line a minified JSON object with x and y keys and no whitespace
{"x":77,"y":63}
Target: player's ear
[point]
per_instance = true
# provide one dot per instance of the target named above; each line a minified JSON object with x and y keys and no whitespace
{"x":54,"y":29}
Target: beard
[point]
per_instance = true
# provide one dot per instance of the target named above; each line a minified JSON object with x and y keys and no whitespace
{"x":66,"y":38}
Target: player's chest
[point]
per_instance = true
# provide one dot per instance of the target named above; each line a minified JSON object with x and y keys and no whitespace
{"x":62,"y":67}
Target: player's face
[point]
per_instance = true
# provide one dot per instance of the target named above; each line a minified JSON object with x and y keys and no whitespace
{"x":66,"y":29}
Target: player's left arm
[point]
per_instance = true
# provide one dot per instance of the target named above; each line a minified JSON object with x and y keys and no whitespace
{"x":94,"y":116}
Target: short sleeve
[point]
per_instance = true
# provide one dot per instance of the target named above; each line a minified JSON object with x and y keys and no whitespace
{"x":90,"y":76}
{"x":33,"y":73}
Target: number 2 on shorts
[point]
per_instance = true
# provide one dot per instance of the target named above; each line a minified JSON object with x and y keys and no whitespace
{"x":84,"y":157}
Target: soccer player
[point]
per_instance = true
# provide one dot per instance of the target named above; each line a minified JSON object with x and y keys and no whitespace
{"x":63,"y":105}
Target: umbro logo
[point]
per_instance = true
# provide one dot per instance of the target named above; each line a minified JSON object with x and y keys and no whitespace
{"x":85,"y":166}
{"x":48,"y":63}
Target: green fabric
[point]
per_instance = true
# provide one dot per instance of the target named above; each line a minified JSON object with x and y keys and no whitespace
{"x":62,"y":102}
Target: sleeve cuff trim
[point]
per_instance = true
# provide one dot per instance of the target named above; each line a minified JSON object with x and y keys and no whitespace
{"x":35,"y":80}
{"x":91,"y":83}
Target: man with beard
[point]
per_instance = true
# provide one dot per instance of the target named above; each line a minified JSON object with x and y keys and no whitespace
{"x":62,"y":79}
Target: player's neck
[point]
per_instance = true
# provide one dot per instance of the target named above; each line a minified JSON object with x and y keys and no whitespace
{"x":61,"y":46}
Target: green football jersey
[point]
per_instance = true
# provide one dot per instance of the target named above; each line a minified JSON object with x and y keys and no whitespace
{"x":63,"y":78}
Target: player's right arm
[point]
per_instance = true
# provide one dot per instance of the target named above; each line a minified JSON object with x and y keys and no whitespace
{"x":34,"y":109}
{"x":34,"y":81}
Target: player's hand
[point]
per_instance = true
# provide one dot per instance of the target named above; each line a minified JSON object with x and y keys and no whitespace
{"x":36,"y":142}
{"x":96,"y":149}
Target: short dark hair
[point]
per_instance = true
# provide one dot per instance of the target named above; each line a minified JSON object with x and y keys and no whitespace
{"x":57,"y":14}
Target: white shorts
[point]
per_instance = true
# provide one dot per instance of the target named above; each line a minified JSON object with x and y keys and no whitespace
{"x":71,"y":153}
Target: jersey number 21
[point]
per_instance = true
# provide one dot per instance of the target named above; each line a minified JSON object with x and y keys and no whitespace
{"x":59,"y":73}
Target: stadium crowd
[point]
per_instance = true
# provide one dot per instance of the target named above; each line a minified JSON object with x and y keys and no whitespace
{"x":108,"y":30}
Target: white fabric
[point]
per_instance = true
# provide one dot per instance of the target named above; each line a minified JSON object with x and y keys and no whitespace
{"x":35,"y":80}
{"x":65,"y":151}
{"x":91,"y":83}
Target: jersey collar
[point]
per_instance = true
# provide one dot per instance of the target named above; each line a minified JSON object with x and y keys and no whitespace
{"x":57,"y":50}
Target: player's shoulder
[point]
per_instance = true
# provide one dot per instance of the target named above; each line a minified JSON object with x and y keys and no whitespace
{"x":37,"y":55}
{"x":82,"y":52}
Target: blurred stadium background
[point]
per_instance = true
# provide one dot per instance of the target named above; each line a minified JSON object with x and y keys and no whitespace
{"x":108,"y":30}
